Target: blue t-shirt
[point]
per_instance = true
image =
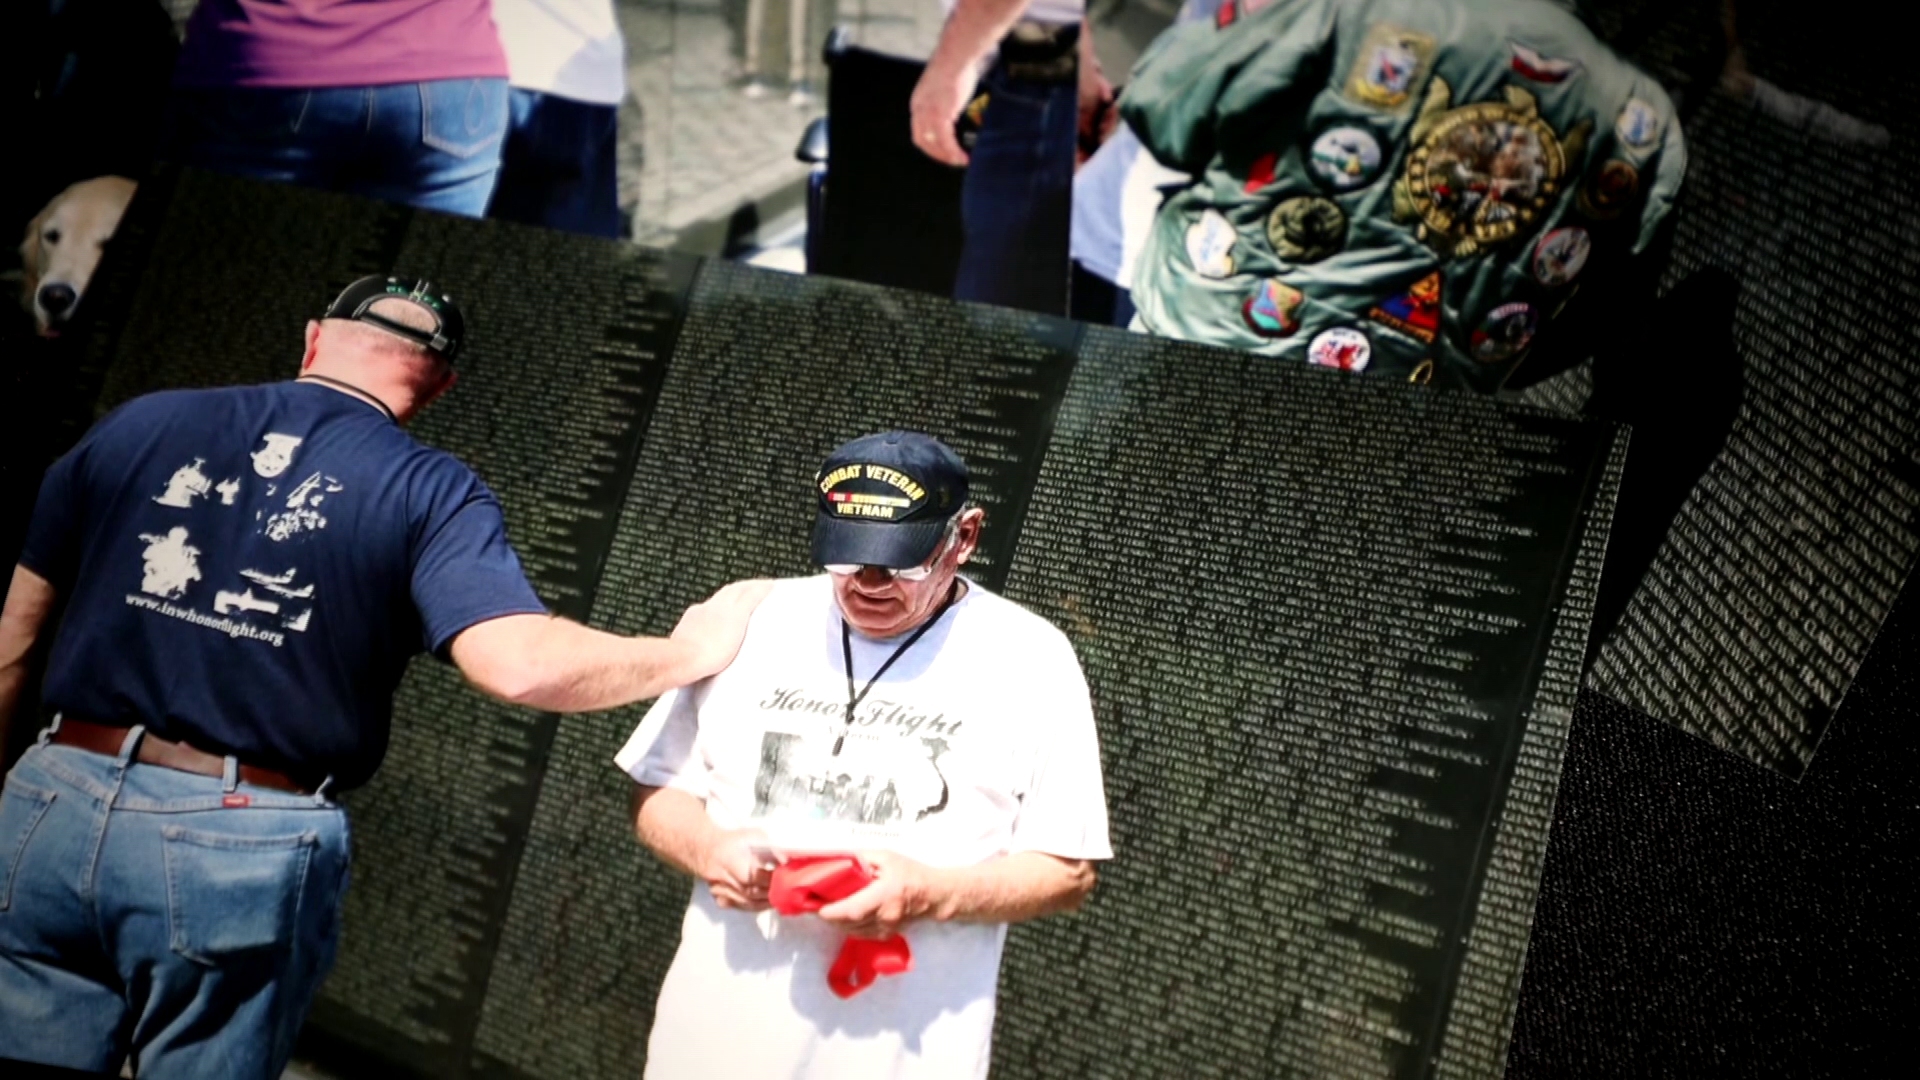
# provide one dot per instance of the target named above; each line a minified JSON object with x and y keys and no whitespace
{"x":249,"y":569}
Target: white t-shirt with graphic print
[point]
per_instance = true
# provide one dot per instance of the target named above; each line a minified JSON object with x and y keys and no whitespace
{"x":978,"y":742}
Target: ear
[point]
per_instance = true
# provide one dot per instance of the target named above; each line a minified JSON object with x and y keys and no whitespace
{"x":313,"y":345}
{"x":31,"y":253}
{"x":971,"y":524}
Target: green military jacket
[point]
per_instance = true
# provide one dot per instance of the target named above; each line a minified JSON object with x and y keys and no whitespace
{"x":1409,"y":188}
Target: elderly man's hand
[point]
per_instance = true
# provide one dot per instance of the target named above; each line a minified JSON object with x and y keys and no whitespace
{"x":737,"y":870}
{"x":902,"y":890}
{"x":944,"y":89}
{"x":712,"y":629}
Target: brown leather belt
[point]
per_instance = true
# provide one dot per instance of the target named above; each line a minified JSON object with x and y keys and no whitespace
{"x":154,"y":750}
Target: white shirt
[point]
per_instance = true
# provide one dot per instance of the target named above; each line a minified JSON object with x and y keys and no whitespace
{"x":978,"y":742}
{"x":571,"y":48}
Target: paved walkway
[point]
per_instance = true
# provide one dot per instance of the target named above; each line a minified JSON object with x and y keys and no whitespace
{"x":694,"y":145}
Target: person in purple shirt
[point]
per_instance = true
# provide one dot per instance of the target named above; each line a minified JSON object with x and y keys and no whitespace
{"x":401,"y":100}
{"x":247,"y":572}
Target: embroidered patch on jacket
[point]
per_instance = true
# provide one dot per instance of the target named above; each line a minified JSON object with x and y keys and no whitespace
{"x":1345,"y":157}
{"x":1390,"y":65}
{"x":1609,"y":191}
{"x":1340,"y":347}
{"x":1480,"y":174}
{"x":1529,"y":64}
{"x":1416,"y":312}
{"x":1210,"y":245}
{"x":1560,"y":256}
{"x":1639,"y":125}
{"x":1504,"y":333}
{"x":1273,"y":310}
{"x":1307,"y":228}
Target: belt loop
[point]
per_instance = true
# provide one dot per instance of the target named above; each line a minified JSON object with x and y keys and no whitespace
{"x":229,"y":773}
{"x":320,"y":793}
{"x":47,"y":733}
{"x":130,"y":746}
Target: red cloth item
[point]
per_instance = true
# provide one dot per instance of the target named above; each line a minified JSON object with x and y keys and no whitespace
{"x":806,"y":883}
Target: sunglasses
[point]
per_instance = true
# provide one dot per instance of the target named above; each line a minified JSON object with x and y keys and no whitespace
{"x":909,"y":573}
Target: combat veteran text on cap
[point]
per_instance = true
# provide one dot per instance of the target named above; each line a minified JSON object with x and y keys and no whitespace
{"x":885,"y":499}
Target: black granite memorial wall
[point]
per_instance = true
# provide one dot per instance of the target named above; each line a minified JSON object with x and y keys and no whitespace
{"x":1788,"y":555}
{"x":1333,"y":630}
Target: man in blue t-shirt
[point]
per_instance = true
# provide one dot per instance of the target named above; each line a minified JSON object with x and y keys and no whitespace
{"x":247,"y":572}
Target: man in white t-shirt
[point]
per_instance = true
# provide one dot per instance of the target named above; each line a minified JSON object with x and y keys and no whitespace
{"x":567,"y":64}
{"x":889,"y":709}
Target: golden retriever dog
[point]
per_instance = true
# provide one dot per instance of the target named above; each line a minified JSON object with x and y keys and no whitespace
{"x":63,"y":246}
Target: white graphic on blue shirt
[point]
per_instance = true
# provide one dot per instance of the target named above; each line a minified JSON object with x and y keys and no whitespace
{"x":170,"y":564}
{"x":282,"y":585}
{"x":302,"y":514}
{"x":186,"y":484}
{"x":272,"y":459}
{"x":225,"y":603}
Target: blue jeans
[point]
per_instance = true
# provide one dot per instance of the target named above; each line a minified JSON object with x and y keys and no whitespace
{"x":1017,"y":200}
{"x":434,"y":145}
{"x":143,"y":913}
{"x":558,"y":169}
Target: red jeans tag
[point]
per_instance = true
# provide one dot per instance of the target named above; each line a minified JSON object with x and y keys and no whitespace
{"x":235,"y":801}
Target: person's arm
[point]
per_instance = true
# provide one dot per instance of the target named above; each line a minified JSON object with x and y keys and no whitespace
{"x":1013,"y":888}
{"x":1097,"y":115}
{"x":48,"y":560}
{"x":557,"y":665}
{"x":674,"y":825}
{"x":972,"y":31}
{"x":29,"y":600}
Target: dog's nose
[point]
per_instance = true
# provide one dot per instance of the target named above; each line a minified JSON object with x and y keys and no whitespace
{"x":56,"y":298}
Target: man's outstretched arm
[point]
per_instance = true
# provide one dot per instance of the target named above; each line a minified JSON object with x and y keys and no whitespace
{"x":557,"y":665}
{"x":29,"y":600}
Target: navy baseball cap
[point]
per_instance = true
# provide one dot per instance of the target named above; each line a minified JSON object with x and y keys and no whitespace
{"x":886,"y":499}
{"x":449,"y":325}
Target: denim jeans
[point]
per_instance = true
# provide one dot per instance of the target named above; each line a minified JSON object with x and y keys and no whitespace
{"x":1017,"y":200}
{"x":434,"y":145}
{"x":558,"y":169}
{"x":178,"y":919}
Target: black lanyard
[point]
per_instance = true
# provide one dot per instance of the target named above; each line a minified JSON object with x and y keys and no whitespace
{"x":846,"y":650}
